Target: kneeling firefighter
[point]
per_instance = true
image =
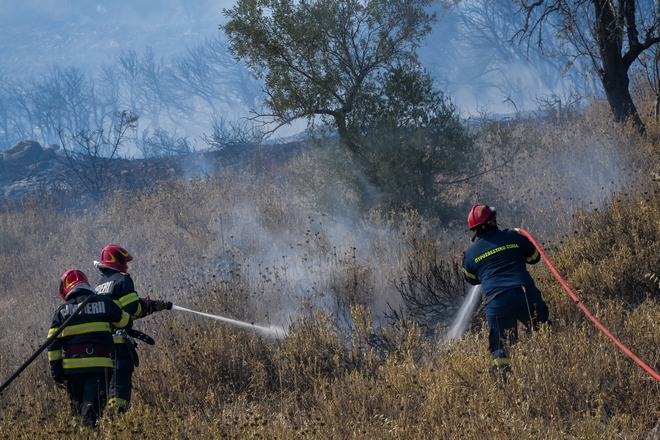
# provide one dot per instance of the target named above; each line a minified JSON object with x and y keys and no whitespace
{"x":118,"y":285}
{"x":497,"y":260}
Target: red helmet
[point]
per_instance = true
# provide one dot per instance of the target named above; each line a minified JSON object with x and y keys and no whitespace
{"x":71,"y":279}
{"x":480,"y":215}
{"x":115,"y":257}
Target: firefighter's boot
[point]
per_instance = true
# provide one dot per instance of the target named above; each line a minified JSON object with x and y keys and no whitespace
{"x":500,"y":369}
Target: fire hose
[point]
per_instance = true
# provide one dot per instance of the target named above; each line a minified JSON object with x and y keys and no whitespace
{"x":579,"y":303}
{"x":47,"y":343}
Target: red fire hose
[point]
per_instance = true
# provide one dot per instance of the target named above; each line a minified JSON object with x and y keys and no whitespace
{"x":586,"y":311}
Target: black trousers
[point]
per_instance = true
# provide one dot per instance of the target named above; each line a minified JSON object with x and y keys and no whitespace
{"x":87,"y":394}
{"x":121,"y":384}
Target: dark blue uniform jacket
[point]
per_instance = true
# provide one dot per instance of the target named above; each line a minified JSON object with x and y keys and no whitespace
{"x":497,"y":261}
{"x":84,"y":344}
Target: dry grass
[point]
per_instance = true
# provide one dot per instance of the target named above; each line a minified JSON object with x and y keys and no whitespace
{"x":267,"y":244}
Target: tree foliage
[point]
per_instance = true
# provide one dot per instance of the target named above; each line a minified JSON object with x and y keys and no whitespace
{"x":353,"y":65}
{"x":410,"y":139}
{"x":318,"y":57}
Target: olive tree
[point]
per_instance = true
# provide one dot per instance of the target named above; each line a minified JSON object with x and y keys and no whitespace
{"x":318,"y":57}
{"x":353,"y":65}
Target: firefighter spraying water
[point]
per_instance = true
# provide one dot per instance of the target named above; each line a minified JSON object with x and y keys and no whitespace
{"x":497,"y":260}
{"x":116,"y":283}
{"x":80,"y":336}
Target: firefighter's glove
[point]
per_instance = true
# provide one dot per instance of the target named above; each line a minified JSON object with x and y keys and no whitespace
{"x":159,"y":306}
{"x":156,"y":305}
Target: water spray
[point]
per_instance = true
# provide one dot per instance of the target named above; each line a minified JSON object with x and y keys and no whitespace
{"x":460,"y":324}
{"x":276,"y":332}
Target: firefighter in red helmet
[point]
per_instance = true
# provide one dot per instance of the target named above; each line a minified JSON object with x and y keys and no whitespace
{"x":79,"y":356}
{"x":498,"y":261}
{"x":118,"y":285}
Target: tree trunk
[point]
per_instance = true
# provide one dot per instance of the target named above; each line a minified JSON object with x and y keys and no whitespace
{"x":616,"y":85}
{"x":614,"y":72}
{"x":345,"y":135}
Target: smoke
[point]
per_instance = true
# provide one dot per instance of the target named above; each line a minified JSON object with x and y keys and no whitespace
{"x":94,"y":33}
{"x":302,"y":268}
{"x":289,"y":260}
{"x":294,"y":258}
{"x":477,"y":61}
{"x":470,"y":51}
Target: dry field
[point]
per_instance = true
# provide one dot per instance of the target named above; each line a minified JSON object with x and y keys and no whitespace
{"x":284,"y":244}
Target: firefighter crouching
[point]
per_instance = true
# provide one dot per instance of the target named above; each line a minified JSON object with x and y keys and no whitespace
{"x":118,"y":285}
{"x":498,"y":261}
{"x":80,"y":355}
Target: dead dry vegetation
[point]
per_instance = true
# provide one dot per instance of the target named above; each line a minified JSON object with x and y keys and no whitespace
{"x":283,"y":245}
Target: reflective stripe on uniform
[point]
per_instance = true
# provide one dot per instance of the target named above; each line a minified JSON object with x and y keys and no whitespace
{"x":81,"y":329}
{"x":468,"y":274}
{"x":500,"y":362}
{"x":86,"y":362}
{"x":125,"y":318}
{"x":533,"y":257}
{"x":54,"y":355}
{"x":128,"y":299}
{"x":121,"y":340}
{"x":117,"y":402}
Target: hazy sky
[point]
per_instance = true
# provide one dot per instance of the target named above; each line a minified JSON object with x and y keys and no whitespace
{"x":35,"y":34}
